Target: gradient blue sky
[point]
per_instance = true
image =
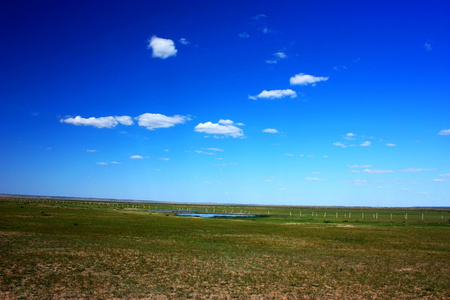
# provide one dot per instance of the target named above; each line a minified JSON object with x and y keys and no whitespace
{"x":258,"y":102}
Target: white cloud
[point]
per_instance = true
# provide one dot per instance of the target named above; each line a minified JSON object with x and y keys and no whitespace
{"x":427,"y":46}
{"x":203,"y":152}
{"x":225,"y":122}
{"x":444,"y":132}
{"x":102,"y":122}
{"x":445,"y":175}
{"x":162,"y":48}
{"x":359,"y":182}
{"x":374,"y":171}
{"x":136,"y":157}
{"x":244,"y":35}
{"x":272,"y":61}
{"x":339,"y":144}
{"x":214,"y":149}
{"x":260,"y":16}
{"x":267,"y":30}
{"x":91,"y":150}
{"x":270,"y":130}
{"x":277,"y":57}
{"x":223,"y":127}
{"x":366,"y":144}
{"x":391,"y":145}
{"x":350,"y":136}
{"x":305,"y":79}
{"x":281,"y":55}
{"x":439,"y":180}
{"x":184,"y":41}
{"x":274,"y":94}
{"x":289,"y":154}
{"x":359,"y":166}
{"x":164,"y":158}
{"x":124,"y":120}
{"x":414,"y":170}
{"x":314,"y":179}
{"x":105,"y":163}
{"x":154,"y":121}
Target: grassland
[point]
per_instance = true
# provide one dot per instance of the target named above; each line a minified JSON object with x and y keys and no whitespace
{"x":52,"y":248}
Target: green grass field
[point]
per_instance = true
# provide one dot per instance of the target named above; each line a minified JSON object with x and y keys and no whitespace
{"x":52,"y":248}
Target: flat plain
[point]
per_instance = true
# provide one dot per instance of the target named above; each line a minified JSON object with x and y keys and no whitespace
{"x":73,"y":249}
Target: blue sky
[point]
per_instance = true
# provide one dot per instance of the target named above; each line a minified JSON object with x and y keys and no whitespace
{"x":257,"y":102}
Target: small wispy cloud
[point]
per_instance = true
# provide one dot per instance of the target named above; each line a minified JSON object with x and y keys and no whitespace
{"x":359,"y":166}
{"x":445,"y":175}
{"x":274,"y":94}
{"x":444,"y":132}
{"x":339,"y":144}
{"x":416,"y":170}
{"x":91,"y":150}
{"x":366,"y":144}
{"x":267,"y":30}
{"x":359,"y":182}
{"x":314,"y":179}
{"x":101,"y":122}
{"x":105,"y":163}
{"x":349,"y":136}
{"x":427,"y":46}
{"x":214,"y":149}
{"x":154,"y":121}
{"x":244,"y":35}
{"x":164,"y":158}
{"x":374,"y":171}
{"x":439,"y":180}
{"x":204,"y":152}
{"x":136,"y":157}
{"x":259,"y":16}
{"x":391,"y":145}
{"x":223,"y":127}
{"x":277,"y":56}
{"x":270,"y":130}
{"x":305,"y":79}
{"x":162,"y":48}
{"x":184,"y":41}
